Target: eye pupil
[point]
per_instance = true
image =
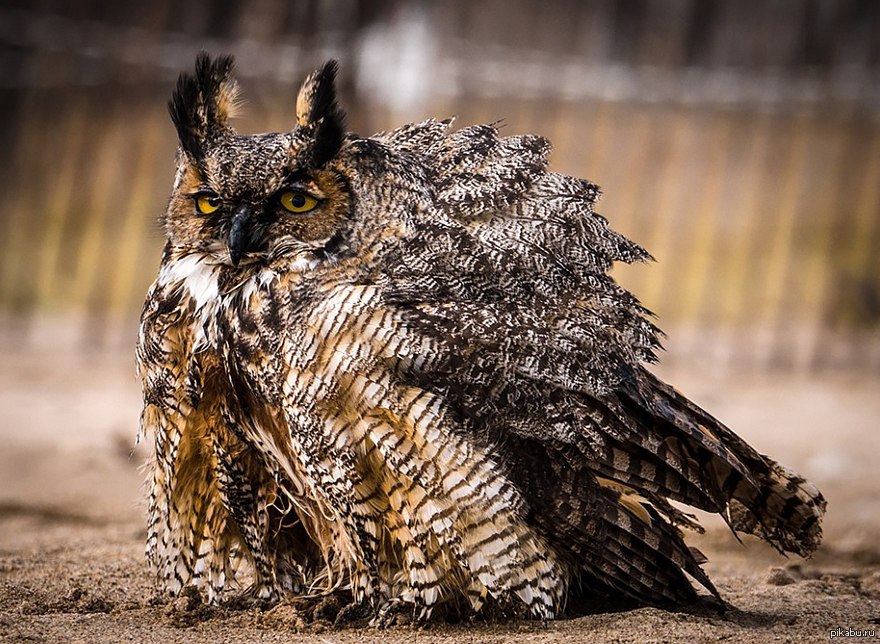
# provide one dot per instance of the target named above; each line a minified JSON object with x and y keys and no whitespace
{"x":298,"y":200}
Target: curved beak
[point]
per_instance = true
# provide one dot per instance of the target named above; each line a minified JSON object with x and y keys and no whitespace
{"x":240,"y":233}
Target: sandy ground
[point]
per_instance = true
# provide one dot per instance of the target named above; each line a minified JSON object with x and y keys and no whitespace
{"x":71,"y":524}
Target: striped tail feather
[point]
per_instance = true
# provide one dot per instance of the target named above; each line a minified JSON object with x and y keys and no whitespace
{"x":649,"y":460}
{"x":786,"y":510}
{"x":615,"y":536}
{"x":752,"y":492}
{"x":652,"y":547}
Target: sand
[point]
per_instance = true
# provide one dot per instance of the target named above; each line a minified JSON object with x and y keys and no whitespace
{"x":72,"y":527}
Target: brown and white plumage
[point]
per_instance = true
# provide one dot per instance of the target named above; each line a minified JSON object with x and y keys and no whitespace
{"x":398,"y":365}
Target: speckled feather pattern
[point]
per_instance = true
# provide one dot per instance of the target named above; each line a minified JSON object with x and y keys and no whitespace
{"x":428,"y":390}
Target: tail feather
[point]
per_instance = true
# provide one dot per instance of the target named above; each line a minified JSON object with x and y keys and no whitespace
{"x":654,"y":543}
{"x":786,"y":510}
{"x":755,"y":494}
{"x":666,"y":465}
{"x":609,"y":530}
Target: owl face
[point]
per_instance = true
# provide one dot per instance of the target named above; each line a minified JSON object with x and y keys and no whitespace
{"x":250,"y":199}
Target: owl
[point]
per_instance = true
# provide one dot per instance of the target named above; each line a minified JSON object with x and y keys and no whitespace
{"x":397,"y":367}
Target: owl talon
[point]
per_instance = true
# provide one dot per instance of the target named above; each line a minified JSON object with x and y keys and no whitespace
{"x":392,"y":613}
{"x":352,"y":612}
{"x":267,"y":594}
{"x":259,"y":596}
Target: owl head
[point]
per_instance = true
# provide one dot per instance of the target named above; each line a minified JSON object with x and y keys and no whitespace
{"x":242,"y":199}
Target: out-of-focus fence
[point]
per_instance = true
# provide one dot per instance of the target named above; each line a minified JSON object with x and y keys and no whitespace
{"x":738,"y":141}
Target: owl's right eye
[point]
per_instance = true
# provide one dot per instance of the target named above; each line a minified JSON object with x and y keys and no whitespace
{"x":208,"y":203}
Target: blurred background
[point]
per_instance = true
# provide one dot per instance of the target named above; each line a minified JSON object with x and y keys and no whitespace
{"x":737,"y":140}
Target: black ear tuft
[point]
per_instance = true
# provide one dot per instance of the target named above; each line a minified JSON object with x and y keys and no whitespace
{"x":325,"y":91}
{"x":202,"y":104}
{"x":316,"y":107}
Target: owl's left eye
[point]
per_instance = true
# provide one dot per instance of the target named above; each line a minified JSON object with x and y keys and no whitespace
{"x":297,"y":201}
{"x":208,"y":203}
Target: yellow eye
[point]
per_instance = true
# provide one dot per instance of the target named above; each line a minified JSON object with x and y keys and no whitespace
{"x":206,"y":204}
{"x":295,"y":201}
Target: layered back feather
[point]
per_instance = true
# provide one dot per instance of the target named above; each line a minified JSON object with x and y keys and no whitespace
{"x":537,"y":347}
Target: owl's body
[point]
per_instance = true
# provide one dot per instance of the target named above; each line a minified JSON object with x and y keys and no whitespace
{"x":397,"y":365}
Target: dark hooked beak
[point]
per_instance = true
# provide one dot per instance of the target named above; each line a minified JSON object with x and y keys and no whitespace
{"x":240,"y":233}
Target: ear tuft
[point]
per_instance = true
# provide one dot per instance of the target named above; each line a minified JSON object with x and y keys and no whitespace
{"x":316,"y":107}
{"x":317,"y":96}
{"x":202,"y":104}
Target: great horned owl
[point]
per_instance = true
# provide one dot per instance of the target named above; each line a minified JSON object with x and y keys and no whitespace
{"x":397,"y":365}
